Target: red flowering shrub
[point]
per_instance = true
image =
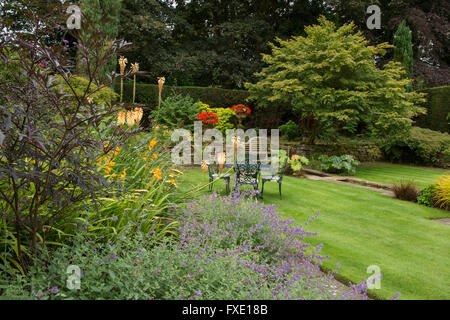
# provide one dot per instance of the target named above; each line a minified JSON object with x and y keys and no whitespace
{"x":240,"y":108}
{"x":208,"y":117}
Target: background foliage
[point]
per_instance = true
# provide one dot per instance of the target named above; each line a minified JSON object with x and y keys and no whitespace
{"x":438,"y":110}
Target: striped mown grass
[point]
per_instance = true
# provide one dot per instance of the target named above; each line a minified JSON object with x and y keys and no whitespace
{"x":395,"y":174}
{"x":360,"y":228}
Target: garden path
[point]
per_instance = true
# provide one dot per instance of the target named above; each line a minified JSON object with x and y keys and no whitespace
{"x":383,"y":188}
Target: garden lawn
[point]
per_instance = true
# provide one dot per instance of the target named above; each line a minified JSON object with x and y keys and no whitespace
{"x":360,"y":228}
{"x":394,"y":174}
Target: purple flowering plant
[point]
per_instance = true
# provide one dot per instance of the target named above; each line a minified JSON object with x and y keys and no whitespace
{"x":231,"y":247}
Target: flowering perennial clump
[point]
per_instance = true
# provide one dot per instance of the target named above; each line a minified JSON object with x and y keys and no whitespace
{"x":131,"y":117}
{"x":226,"y":248}
{"x":208,"y":117}
{"x":241,"y":109}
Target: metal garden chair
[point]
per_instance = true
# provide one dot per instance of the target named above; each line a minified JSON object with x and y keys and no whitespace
{"x":247,"y":174}
{"x":274,"y":178}
{"x":214,"y":174}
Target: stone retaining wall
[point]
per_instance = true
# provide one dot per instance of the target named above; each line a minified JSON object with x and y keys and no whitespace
{"x":362,"y":152}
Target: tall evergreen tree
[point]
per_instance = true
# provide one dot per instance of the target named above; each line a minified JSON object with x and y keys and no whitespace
{"x":403,"y":51}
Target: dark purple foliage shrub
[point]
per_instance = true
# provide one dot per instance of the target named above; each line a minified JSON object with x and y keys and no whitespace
{"x":50,"y":139}
{"x":406,"y":191}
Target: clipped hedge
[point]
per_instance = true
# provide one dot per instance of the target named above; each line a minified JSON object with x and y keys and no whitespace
{"x":438,"y":107}
{"x":147,"y":94}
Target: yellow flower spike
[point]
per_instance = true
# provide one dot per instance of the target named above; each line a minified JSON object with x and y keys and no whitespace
{"x":144,"y":159}
{"x":221,"y":158}
{"x":155,"y":156}
{"x":138,"y":114}
{"x":135,"y":67}
{"x":122,"y":63}
{"x":112,"y":163}
{"x":204,"y":166}
{"x":121,"y":118}
{"x":131,"y":118}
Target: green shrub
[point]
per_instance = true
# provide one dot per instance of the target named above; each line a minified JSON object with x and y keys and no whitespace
{"x":438,"y":108}
{"x":345,"y":164}
{"x":215,"y":97}
{"x":103,"y":96}
{"x":420,"y":146}
{"x":296,"y":163}
{"x":177,"y":111}
{"x":289,"y":130}
{"x":226,"y":116}
{"x":426,"y":196}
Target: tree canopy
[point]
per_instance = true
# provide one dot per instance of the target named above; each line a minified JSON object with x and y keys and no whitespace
{"x":330,"y":74}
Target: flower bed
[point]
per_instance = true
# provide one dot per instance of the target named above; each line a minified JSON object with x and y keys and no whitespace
{"x":227,"y":248}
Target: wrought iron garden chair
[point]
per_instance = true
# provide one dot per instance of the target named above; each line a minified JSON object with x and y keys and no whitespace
{"x":274,"y":178}
{"x":214,"y":174}
{"x":247,"y":174}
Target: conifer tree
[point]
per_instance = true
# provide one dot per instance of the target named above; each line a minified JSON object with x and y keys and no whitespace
{"x":403,"y":51}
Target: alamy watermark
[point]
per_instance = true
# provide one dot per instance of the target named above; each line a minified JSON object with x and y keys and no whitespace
{"x":74,"y":20}
{"x":374,"y":281}
{"x":74,"y":279}
{"x":374,"y":21}
{"x":240,"y":146}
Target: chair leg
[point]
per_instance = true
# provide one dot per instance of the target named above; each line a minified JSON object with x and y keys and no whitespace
{"x":279,"y":187}
{"x":227,"y":186}
{"x":262,"y":189}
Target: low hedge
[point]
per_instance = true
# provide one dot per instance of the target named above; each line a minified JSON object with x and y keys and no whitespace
{"x":147,"y":94}
{"x":438,"y":107}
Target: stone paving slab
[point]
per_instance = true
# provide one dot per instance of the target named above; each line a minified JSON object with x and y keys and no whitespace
{"x":383,"y":188}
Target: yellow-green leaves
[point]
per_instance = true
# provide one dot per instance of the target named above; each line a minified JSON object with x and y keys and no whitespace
{"x":331,"y":73}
